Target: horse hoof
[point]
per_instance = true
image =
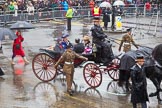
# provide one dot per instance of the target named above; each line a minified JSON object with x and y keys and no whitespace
{"x":152,"y":94}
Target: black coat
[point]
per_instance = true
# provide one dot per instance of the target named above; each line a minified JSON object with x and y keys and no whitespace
{"x":139,"y":85}
{"x":106,"y":15}
{"x":79,"y":48}
{"x":98,"y":34}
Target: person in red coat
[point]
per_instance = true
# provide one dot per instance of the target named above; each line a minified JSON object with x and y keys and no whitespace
{"x":17,"y":47}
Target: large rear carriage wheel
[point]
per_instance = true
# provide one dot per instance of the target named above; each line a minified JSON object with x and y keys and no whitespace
{"x":92,"y":75}
{"x":43,"y":67}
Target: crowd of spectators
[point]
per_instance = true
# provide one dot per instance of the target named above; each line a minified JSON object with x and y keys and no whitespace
{"x":12,"y":5}
{"x":43,"y":5}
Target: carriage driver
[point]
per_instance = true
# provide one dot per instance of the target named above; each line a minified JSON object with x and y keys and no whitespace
{"x":126,"y":41}
{"x":68,"y":59}
{"x":98,"y":38}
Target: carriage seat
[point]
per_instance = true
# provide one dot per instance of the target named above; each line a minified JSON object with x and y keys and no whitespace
{"x":52,"y":53}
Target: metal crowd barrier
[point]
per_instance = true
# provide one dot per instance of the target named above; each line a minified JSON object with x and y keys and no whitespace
{"x":7,"y":17}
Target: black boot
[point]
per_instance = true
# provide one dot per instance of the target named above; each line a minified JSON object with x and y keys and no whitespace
{"x":70,"y":92}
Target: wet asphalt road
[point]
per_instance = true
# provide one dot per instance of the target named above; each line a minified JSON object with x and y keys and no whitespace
{"x":21,"y":89}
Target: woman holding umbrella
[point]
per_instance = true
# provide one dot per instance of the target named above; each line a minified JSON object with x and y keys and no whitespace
{"x":17,"y":47}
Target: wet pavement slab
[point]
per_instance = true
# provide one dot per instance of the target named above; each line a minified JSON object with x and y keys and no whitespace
{"x":22,"y":89}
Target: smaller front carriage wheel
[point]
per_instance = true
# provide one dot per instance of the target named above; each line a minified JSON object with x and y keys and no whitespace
{"x":114,"y":71}
{"x":43,"y":67}
{"x":114,"y":74}
{"x":92,"y":75}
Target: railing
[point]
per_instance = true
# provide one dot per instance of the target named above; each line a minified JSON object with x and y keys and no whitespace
{"x":7,"y":17}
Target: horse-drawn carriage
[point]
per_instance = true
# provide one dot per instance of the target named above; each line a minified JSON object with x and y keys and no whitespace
{"x":43,"y":67}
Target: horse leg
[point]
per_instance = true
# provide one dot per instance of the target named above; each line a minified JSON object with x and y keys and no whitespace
{"x":158,"y":92}
{"x":157,"y":85}
{"x":121,"y":78}
{"x":127,"y":85}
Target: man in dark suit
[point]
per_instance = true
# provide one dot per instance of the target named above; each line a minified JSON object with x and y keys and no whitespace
{"x":139,"y":84}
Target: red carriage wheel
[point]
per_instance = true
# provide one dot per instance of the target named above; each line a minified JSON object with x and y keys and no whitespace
{"x":114,"y":74}
{"x":92,"y":75}
{"x":43,"y":67}
{"x":114,"y":70}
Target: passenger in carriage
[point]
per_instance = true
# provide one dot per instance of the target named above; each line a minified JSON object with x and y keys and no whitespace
{"x":65,"y":41}
{"x":61,"y":44}
{"x":58,"y":46}
{"x":126,"y":41}
{"x":78,"y":46}
{"x":87,"y":45}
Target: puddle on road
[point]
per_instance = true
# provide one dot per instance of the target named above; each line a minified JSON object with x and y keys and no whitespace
{"x":19,"y":65}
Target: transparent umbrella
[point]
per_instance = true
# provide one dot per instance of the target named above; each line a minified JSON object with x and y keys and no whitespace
{"x":105,"y":4}
{"x":119,"y":3}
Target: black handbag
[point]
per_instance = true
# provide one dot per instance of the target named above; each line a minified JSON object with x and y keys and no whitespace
{"x":17,"y":46}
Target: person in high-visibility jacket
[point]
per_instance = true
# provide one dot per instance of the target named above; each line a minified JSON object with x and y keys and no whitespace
{"x":96,"y":12}
{"x":69,"y":15}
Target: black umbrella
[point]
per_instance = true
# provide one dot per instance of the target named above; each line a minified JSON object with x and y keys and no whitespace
{"x":6,"y":34}
{"x":21,"y":25}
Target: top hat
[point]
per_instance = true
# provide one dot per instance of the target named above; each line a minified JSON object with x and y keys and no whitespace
{"x":65,"y":35}
{"x":129,"y":29}
{"x":140,"y":58}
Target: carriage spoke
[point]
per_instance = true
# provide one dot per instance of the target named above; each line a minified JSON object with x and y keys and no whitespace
{"x":38,"y":62}
{"x":44,"y":74}
{"x":97,"y":80}
{"x":49,"y":61}
{"x":37,"y":68}
{"x":38,"y":59}
{"x":94,"y":81}
{"x":42,"y":59}
{"x":45,"y":59}
{"x":50,"y":72}
{"x":89,"y":79}
{"x":39,"y":71}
